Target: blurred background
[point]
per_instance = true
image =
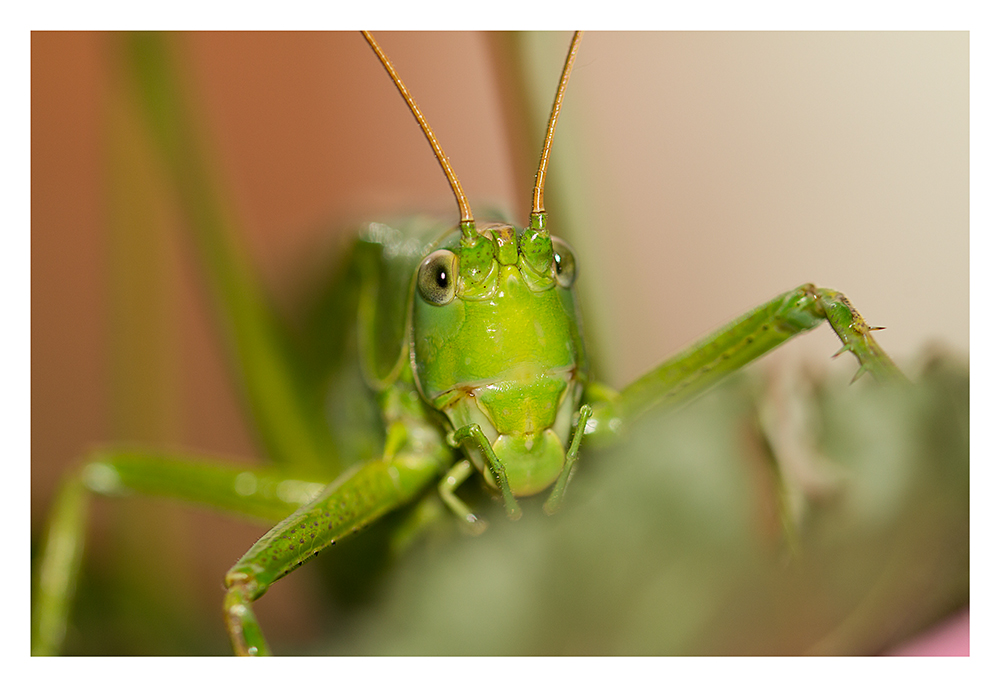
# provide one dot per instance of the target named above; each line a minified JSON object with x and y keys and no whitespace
{"x":696,"y":174}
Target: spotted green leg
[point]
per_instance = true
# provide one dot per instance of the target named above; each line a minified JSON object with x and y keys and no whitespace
{"x":355,"y":500}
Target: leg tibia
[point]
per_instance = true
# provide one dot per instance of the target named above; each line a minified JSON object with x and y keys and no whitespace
{"x":248,"y":640}
{"x":60,"y":565}
{"x":475,"y":434}
{"x":554,"y":501}
{"x":446,"y":488}
{"x":856,"y":336}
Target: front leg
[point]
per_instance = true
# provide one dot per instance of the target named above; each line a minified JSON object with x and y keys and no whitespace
{"x":729,"y":348}
{"x":474,"y":433}
{"x":356,"y":499}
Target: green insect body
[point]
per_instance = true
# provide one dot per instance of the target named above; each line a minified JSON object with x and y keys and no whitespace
{"x":495,"y":355}
{"x":472,"y":342}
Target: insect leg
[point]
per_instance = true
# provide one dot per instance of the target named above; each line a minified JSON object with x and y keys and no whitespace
{"x":734,"y":345}
{"x":451,"y":481}
{"x":475,"y":433}
{"x":266,"y":495}
{"x":555,"y":498}
{"x":357,"y":498}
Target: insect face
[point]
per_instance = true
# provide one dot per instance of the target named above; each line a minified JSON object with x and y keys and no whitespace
{"x":496,"y":342}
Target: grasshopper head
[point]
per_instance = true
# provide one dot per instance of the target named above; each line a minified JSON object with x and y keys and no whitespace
{"x":496,"y":342}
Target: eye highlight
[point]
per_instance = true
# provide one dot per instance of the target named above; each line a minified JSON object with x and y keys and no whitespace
{"x":436,"y":277}
{"x":563,"y":263}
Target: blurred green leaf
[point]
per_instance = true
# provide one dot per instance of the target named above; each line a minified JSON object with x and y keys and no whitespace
{"x":670,"y":544}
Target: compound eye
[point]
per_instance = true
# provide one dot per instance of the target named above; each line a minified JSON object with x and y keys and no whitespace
{"x":564,"y":263}
{"x":436,"y":277}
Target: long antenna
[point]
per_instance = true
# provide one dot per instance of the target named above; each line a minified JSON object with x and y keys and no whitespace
{"x":467,"y":223}
{"x":537,"y":202}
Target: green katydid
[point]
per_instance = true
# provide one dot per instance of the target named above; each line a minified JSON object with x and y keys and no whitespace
{"x":410,"y":428}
